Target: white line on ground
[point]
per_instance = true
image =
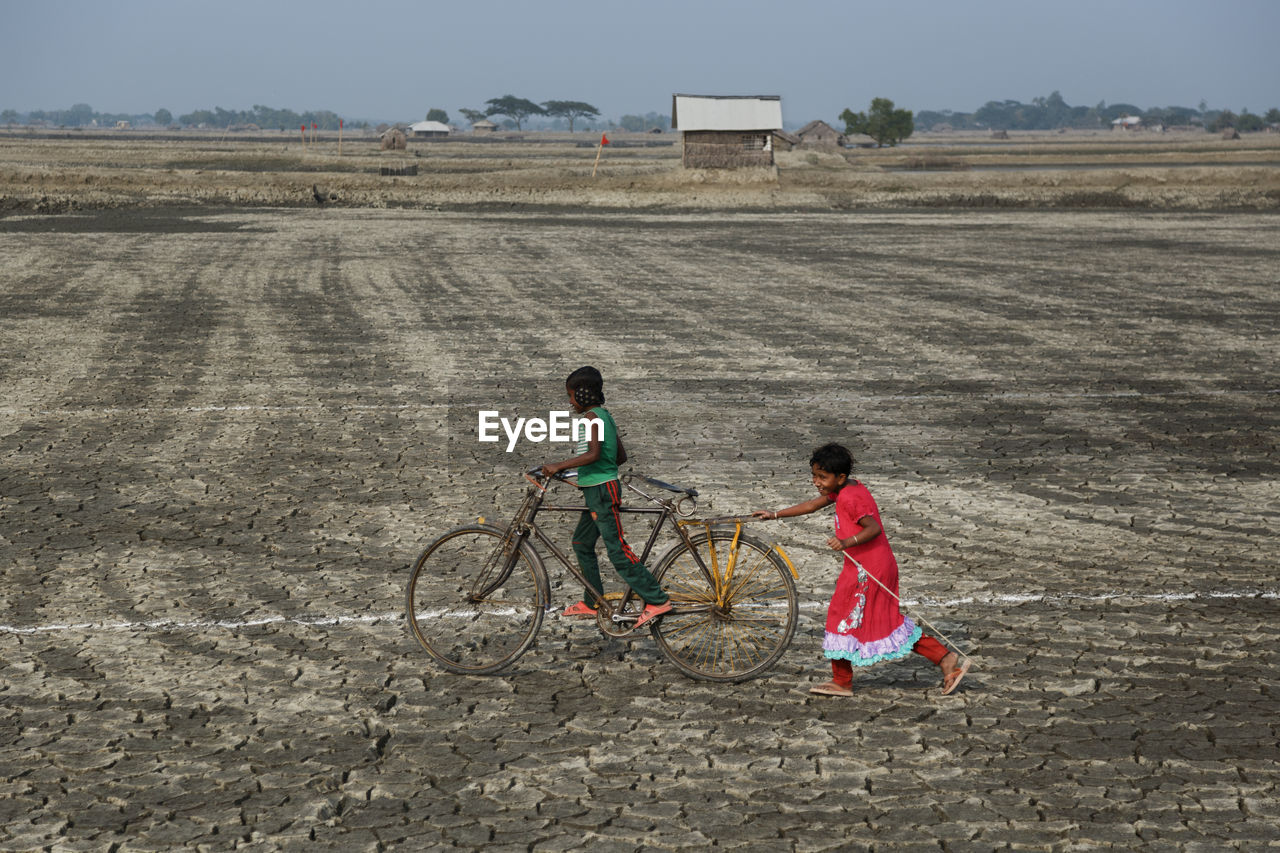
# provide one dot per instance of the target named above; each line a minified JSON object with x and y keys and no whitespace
{"x":326,"y":621}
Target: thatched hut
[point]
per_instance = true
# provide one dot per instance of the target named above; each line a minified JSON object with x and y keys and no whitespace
{"x":483,"y":126}
{"x":784,"y":141}
{"x":819,"y":134}
{"x":726,"y":131}
{"x":393,"y":140}
{"x":1230,"y":133}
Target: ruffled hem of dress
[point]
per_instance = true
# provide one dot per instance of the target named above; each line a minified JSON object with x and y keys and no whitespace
{"x":896,"y":645}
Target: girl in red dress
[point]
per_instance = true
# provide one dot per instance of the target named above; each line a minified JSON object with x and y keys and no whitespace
{"x":864,"y":625}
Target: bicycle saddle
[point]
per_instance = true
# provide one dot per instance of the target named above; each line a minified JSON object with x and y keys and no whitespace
{"x":693,"y":493}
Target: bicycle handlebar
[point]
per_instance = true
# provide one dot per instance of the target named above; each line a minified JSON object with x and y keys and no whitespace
{"x":537,"y":473}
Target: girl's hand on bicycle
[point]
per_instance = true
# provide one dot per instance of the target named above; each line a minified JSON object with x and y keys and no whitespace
{"x":765,"y":515}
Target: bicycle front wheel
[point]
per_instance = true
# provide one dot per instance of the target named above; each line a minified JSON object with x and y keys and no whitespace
{"x":734,"y":625}
{"x":475,"y":600}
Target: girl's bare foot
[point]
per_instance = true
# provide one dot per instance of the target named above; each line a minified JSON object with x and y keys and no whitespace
{"x":952,"y":671}
{"x":830,"y":688}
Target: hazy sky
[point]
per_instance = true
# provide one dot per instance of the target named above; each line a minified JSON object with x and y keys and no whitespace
{"x":394,"y":59}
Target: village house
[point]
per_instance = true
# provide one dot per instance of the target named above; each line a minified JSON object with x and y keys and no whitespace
{"x":1127,"y":123}
{"x":819,"y":134}
{"x":726,"y":131}
{"x":429,"y":130}
{"x":785,"y":141}
{"x":483,"y":126}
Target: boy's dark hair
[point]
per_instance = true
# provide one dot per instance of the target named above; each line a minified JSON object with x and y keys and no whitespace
{"x":834,"y":459}
{"x":586,"y":383}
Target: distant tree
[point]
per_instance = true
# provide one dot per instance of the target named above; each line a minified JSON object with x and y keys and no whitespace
{"x":1057,"y":112}
{"x":1180,"y":115}
{"x":633,"y":123}
{"x":569,"y":110}
{"x":79,"y":115}
{"x":1247,"y":122}
{"x":661,"y":121}
{"x":9,"y":116}
{"x":998,"y":115}
{"x":164,"y":118}
{"x":472,"y":116}
{"x":1221,"y":122}
{"x":1272,"y":116}
{"x":883,"y":123}
{"x":438,"y":115}
{"x":516,"y":109}
{"x":929,"y":119}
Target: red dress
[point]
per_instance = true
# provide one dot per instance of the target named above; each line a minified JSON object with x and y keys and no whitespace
{"x":864,"y":625}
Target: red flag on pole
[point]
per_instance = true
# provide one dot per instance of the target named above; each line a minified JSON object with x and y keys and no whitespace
{"x":604,"y":140}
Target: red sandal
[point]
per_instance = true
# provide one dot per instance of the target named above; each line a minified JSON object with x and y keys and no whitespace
{"x":653,"y":611}
{"x":581,"y":610}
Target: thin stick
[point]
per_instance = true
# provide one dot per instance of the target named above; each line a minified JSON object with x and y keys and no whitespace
{"x":945,"y":638}
{"x":599,"y":151}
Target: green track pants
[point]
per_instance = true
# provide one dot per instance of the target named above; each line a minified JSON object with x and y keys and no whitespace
{"x":603,"y":520}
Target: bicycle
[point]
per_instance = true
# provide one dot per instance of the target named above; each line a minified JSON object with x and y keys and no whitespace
{"x":477,"y":595}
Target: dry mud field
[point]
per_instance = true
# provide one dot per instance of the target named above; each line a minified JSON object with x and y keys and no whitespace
{"x":229,"y":430}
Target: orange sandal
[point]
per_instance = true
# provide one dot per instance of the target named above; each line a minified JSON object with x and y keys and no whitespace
{"x":653,"y":611}
{"x":949,"y":687}
{"x":581,"y":610}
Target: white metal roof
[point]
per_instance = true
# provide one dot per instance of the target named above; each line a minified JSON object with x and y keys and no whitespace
{"x":424,"y":126}
{"x":726,"y":112}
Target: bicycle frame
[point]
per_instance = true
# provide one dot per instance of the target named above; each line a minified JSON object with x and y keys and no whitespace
{"x":665,"y":509}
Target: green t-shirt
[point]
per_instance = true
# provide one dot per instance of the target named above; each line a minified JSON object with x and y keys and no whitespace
{"x":605,"y":468}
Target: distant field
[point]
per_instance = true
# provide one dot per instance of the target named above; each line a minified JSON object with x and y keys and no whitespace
{"x":78,"y":170}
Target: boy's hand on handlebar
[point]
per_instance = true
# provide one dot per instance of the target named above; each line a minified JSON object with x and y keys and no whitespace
{"x":550,"y":470}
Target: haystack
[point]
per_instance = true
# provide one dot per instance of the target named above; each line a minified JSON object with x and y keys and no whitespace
{"x":393,"y":140}
{"x":1230,"y":133}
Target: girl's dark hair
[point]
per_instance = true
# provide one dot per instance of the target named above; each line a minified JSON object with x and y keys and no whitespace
{"x":834,"y":459}
{"x":587,"y":385}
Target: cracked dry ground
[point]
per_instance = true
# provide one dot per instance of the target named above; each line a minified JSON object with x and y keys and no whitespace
{"x":226,"y":436}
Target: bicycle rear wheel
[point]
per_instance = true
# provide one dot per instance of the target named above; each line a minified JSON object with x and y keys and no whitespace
{"x":735,"y":627}
{"x":475,"y":601}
